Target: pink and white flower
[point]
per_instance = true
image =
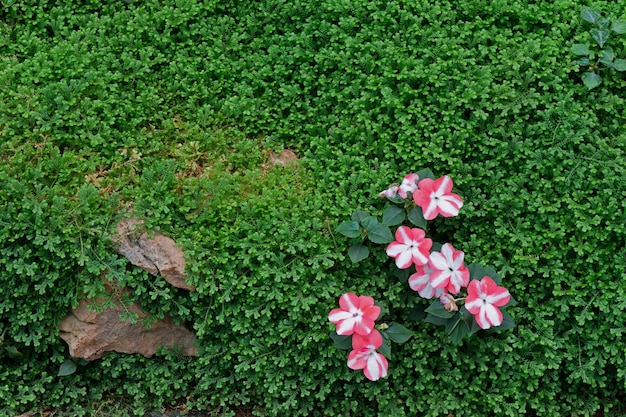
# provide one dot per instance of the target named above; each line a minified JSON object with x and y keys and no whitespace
{"x":449,"y":272}
{"x":355,"y":315}
{"x":364,"y":356}
{"x":408,"y":185}
{"x":483,"y":299}
{"x":420,"y":282}
{"x":436,"y":197}
{"x":410,"y":247}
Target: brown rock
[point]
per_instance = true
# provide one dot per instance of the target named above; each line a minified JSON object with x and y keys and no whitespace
{"x":90,"y":335}
{"x":284,"y":158}
{"x":158,"y":254}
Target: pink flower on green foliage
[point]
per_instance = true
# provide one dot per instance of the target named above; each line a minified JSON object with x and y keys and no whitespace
{"x":408,"y":185}
{"x":436,"y":197}
{"x":410,"y":247}
{"x":483,"y":299}
{"x":364,"y":356}
{"x":420,"y":282}
{"x":449,"y":272}
{"x":355,"y":315}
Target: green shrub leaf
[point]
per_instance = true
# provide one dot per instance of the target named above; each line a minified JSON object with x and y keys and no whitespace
{"x":68,"y":367}
{"x":620,"y":64}
{"x":618,"y":26}
{"x":600,"y":36}
{"x":379,"y":233}
{"x":341,"y":342}
{"x":436,"y":309}
{"x":416,"y":217}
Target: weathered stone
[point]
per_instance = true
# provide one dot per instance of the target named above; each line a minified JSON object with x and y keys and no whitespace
{"x":90,"y":335}
{"x":284,"y":158}
{"x":158,"y":254}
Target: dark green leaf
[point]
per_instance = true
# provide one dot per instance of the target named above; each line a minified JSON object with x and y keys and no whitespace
{"x":403,"y":275}
{"x":477,"y":271}
{"x":591,"y":80}
{"x":437,"y":321}
{"x":359,"y":215}
{"x":618,"y":26}
{"x":358,"y":252}
{"x":379,"y":233}
{"x":416,"y":217}
{"x":600,"y":36}
{"x":349,"y":229}
{"x":457,"y":329}
{"x":341,"y":342}
{"x":436,"y":309}
{"x":385,"y":348}
{"x":607,"y":54}
{"x":393,"y":216}
{"x":580,"y":49}
{"x":425,"y":173}
{"x":398,"y":333}
{"x":369,"y":222}
{"x":68,"y":367}
{"x":590,"y":15}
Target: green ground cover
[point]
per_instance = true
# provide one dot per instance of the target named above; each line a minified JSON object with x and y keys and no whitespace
{"x":171,"y":108}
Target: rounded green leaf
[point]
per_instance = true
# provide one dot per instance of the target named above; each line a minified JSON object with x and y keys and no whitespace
{"x":620,"y":64}
{"x":380,"y":233}
{"x":393,"y":216}
{"x":358,"y":252}
{"x":591,"y":80}
{"x":477,"y":271}
{"x":349,"y":229}
{"x":68,"y":367}
{"x":580,"y":49}
{"x":583,"y":62}
{"x":398,"y":333}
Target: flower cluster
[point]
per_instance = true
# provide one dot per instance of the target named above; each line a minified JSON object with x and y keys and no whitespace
{"x":466,"y":298}
{"x":355,"y":317}
{"x":441,"y":273}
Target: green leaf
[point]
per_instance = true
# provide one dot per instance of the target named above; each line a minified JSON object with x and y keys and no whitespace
{"x":402,"y":275}
{"x":68,"y":367}
{"x":416,"y":217}
{"x":369,"y":222}
{"x":477,"y":271}
{"x":580,"y":49}
{"x":583,"y":62}
{"x":591,"y":80}
{"x":600,"y":36}
{"x":341,"y":342}
{"x":457,"y":329}
{"x":620,"y":64}
{"x":398,"y":333}
{"x":607,"y":56}
{"x":358,"y":252}
{"x":393,"y":216}
{"x":618,"y":26}
{"x":349,"y":229}
{"x":359,"y":215}
{"x":590,"y":15}
{"x":437,"y":321}
{"x":379,"y":233}
{"x":425,"y":173}
{"x":436,"y":309}
{"x":385,"y":348}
